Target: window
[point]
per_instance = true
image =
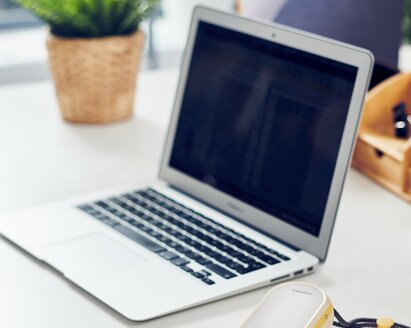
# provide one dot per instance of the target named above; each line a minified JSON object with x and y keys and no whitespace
{"x":12,"y":16}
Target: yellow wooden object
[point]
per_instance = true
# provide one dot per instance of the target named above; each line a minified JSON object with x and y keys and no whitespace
{"x":324,"y":321}
{"x":385,"y":323}
{"x":238,"y":6}
{"x":379,"y":153}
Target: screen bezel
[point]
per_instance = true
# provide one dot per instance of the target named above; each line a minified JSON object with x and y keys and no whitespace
{"x":357,"y":57}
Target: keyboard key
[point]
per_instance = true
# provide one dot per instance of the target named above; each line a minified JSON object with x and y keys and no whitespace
{"x":168,"y":255}
{"x":190,"y":229}
{"x":117,"y":201}
{"x":137,"y":224}
{"x":183,"y":238}
{"x":174,"y":221}
{"x":213,"y":254}
{"x":127,"y":207}
{"x":164,"y":239}
{"x":186,"y":268}
{"x":86,"y":208}
{"x":255,"y":252}
{"x":254,"y":266}
{"x":111,"y":210}
{"x":179,"y":224}
{"x":100,"y":216}
{"x":102,"y":204}
{"x":129,"y":220}
{"x":222,"y":235}
{"x":222,"y":259}
{"x":174,"y":233}
{"x":221,"y":271}
{"x":146,"y":229}
{"x":201,"y":247}
{"x":208,"y":251}
{"x":268,"y":259}
{"x":228,"y":249}
{"x":158,"y":212}
{"x":182,"y":249}
{"x":245,"y":259}
{"x":229,"y":263}
{"x":94,"y":213}
{"x":121,"y":215}
{"x":273,"y":252}
{"x":235,"y":253}
{"x":208,"y":281}
{"x":204,"y":226}
{"x":206,"y":273}
{"x":192,"y":243}
{"x":162,"y":226}
{"x":147,"y":243}
{"x":159,"y":237}
{"x":179,"y":261}
{"x":113,"y":199}
{"x":157,"y":223}
{"x":163,"y":215}
{"x":212,"y":230}
{"x":154,"y":234}
{"x":110,"y":222}
{"x":215,"y":243}
{"x":249,"y":249}
{"x":283,"y":257}
{"x":198,"y":275}
{"x":241,"y":245}
{"x":198,"y":234}
{"x":172,"y":243}
{"x":168,"y":229}
{"x":192,"y":255}
{"x":202,"y":260}
{"x":237,"y":267}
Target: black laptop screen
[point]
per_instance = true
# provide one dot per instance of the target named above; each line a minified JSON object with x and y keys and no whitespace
{"x":263,"y":123}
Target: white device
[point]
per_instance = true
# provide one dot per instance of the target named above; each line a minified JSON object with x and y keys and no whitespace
{"x":258,"y":147}
{"x":292,"y":305}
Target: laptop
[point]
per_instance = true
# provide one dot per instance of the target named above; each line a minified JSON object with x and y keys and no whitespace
{"x":258,"y":147}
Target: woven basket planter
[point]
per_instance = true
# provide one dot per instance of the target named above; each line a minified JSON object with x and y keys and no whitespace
{"x":95,"y":79}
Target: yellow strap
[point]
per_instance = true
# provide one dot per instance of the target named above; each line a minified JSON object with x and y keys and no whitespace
{"x":385,"y":323}
{"x":324,"y":317}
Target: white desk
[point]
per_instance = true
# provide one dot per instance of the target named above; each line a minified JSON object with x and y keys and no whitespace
{"x":368,"y":272}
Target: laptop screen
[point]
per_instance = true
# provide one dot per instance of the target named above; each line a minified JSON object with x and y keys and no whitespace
{"x":263,"y":122}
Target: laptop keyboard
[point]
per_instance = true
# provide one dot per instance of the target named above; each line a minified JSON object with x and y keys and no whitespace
{"x":197,"y":244}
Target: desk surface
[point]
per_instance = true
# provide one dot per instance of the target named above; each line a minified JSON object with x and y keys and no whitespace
{"x":44,"y":159}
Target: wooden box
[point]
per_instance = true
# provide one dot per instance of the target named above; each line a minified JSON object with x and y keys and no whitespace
{"x":379,"y":153}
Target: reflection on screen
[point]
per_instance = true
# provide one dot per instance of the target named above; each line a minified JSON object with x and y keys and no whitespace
{"x":263,"y":123}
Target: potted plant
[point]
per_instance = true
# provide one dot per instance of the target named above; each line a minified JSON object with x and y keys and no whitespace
{"x":94,"y":47}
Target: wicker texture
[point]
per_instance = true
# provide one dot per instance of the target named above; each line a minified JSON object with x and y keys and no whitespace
{"x":95,"y":79}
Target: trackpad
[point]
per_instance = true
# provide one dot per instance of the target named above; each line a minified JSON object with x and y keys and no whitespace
{"x":91,"y":255}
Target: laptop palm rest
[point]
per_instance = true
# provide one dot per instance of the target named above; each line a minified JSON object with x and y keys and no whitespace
{"x":122,"y":278}
{"x":91,"y":255}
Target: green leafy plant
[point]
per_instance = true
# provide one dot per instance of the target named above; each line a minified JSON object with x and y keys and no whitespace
{"x":90,"y":18}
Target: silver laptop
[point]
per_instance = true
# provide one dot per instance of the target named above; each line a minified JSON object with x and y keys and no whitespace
{"x":258,"y":147}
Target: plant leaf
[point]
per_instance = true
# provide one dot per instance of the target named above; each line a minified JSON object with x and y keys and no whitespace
{"x":90,"y":18}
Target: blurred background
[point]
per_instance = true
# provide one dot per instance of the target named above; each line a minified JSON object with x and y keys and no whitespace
{"x":23,"y":55}
{"x":380,"y":25}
